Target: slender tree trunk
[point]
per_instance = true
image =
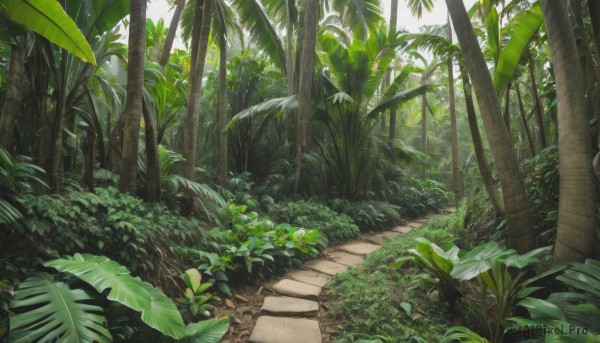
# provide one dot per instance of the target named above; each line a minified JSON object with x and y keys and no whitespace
{"x":482,"y":163}
{"x":14,"y":92}
{"x":133,"y":105}
{"x":223,"y":112}
{"x":519,"y":217}
{"x":290,"y":52}
{"x":190,"y":129}
{"x":90,"y":160}
{"x":456,"y":173}
{"x":524,"y":119}
{"x":57,"y":132}
{"x":152,"y":158}
{"x":424,"y":147}
{"x":307,"y":62}
{"x":388,"y":73}
{"x":538,"y":108}
{"x":577,"y":199}
{"x":168,"y":45}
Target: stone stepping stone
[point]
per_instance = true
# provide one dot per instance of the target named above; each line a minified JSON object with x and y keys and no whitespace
{"x":422,"y":220}
{"x":282,"y":306}
{"x":297,"y":289}
{"x":359,"y":248}
{"x":402,"y":229}
{"x":325,"y":267}
{"x":379,"y":238}
{"x":310,"y":277}
{"x":414,"y":225}
{"x":285,"y":330}
{"x":346,"y":259}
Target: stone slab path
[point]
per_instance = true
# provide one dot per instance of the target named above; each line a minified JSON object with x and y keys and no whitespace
{"x":300,"y":289}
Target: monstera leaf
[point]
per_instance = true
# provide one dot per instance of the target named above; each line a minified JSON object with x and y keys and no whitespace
{"x":55,"y":313}
{"x":100,"y":272}
{"x":48,"y":18}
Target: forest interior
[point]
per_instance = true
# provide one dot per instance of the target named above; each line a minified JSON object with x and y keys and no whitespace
{"x":299,"y":171}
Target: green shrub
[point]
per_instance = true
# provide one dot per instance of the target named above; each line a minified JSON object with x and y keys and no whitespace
{"x":369,"y":215}
{"x":312,"y":215}
{"x":247,"y":246}
{"x":136,"y":234}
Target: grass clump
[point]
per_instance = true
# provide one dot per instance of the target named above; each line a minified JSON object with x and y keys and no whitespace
{"x":381,"y":303}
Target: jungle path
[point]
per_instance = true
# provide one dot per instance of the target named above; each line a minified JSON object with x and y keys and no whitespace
{"x":291,"y":316}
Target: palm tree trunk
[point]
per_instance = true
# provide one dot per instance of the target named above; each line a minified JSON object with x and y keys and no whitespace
{"x":388,"y":73}
{"x":424,"y":147}
{"x":59,"y":124}
{"x":14,"y":92}
{"x":538,"y":106}
{"x":594,"y":9}
{"x":507,"y":108}
{"x":190,"y":129}
{"x":482,"y":163}
{"x":168,"y":45}
{"x":519,"y":217}
{"x":153,"y":191}
{"x":305,"y":85}
{"x":577,"y":199}
{"x":133,"y":105}
{"x":290,"y":52}
{"x":90,"y":159}
{"x":525,"y":124}
{"x":456,"y":174}
{"x":223,"y":112}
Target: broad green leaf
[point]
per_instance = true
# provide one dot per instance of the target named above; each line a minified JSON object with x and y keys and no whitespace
{"x":100,"y":272}
{"x":540,"y":309}
{"x":48,"y":18}
{"x":206,"y":331}
{"x":55,"y":312}
{"x":493,"y":31}
{"x":192,"y":278}
{"x":511,"y":54}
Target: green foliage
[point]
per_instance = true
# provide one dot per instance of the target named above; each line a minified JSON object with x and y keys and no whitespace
{"x":196,"y":296}
{"x":122,"y":227}
{"x":378,"y":302}
{"x":49,"y":19}
{"x":66,"y":315}
{"x":247,"y":246}
{"x":369,"y":215}
{"x":312,"y":215}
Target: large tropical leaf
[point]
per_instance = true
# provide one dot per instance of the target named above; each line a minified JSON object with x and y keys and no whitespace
{"x":397,"y":100}
{"x":104,"y":15}
{"x":254,"y":18}
{"x":528,"y":25}
{"x":55,"y":313}
{"x":359,"y":15}
{"x":206,"y":331}
{"x":269,"y":106}
{"x":48,"y":18}
{"x":100,"y":272}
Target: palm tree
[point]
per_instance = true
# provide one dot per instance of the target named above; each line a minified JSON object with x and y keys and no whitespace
{"x":456,"y":173}
{"x":388,"y":75}
{"x":131,"y":115}
{"x":577,"y":198}
{"x":519,"y":217}
{"x":168,"y":44}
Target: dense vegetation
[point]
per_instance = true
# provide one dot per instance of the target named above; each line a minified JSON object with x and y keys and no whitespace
{"x":141,"y":185}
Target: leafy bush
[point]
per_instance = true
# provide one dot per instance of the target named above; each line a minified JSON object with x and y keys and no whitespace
{"x":247,"y":246}
{"x":369,"y":215}
{"x":312,"y":215}
{"x":137,"y":234}
{"x":47,"y":307}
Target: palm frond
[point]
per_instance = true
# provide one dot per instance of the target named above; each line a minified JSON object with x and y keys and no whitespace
{"x":288,"y":103}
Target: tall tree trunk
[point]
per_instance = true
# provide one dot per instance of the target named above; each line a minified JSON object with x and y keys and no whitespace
{"x":524,"y":119}
{"x":289,"y":52}
{"x":482,"y":163}
{"x":519,"y":217}
{"x":190,"y":129}
{"x":59,"y":124}
{"x":168,"y":45}
{"x":577,"y":199}
{"x":152,"y":158}
{"x":223,"y":112}
{"x":388,"y":73}
{"x":307,"y":62}
{"x":424,"y":147}
{"x":90,"y":159}
{"x":133,"y":104}
{"x":14,"y":92}
{"x":538,"y":106}
{"x":456,"y":173}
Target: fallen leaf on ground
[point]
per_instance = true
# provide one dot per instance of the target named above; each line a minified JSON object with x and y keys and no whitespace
{"x":229,"y":303}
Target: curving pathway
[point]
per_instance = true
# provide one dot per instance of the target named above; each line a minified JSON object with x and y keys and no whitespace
{"x":290,"y":317}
